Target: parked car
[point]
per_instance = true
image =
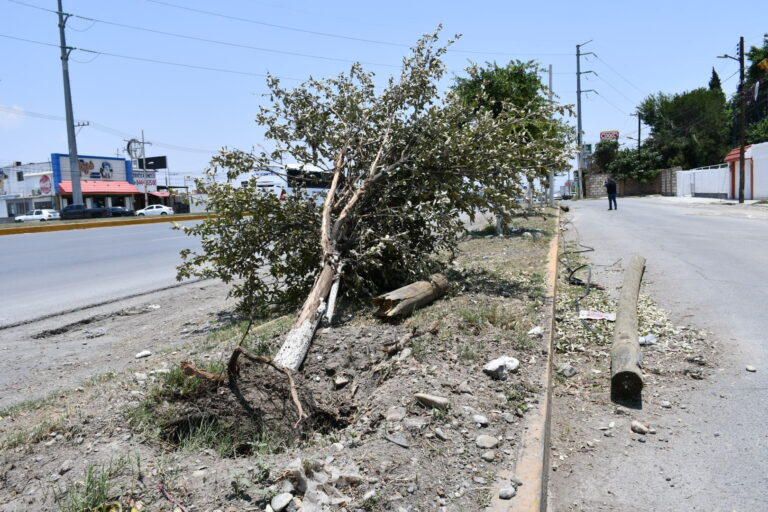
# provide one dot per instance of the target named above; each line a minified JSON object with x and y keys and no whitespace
{"x":38,"y":215}
{"x":120,"y":211}
{"x":155,"y":209}
{"x":79,"y":211}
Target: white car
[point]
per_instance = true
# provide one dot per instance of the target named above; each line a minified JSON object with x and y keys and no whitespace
{"x":38,"y":215}
{"x":155,"y":209}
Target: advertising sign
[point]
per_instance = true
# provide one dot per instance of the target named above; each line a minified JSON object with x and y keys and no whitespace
{"x":90,"y":167}
{"x":44,"y":185}
{"x":609,"y":135}
{"x":140,"y":177}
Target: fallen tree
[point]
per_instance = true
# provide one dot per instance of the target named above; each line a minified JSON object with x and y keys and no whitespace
{"x":404,"y":301}
{"x":403,"y":163}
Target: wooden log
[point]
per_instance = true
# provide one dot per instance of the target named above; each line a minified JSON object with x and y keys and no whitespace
{"x":404,"y":301}
{"x":626,"y":378}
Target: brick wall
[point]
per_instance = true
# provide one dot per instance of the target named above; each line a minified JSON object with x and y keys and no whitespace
{"x":669,"y":181}
{"x":594,"y":186}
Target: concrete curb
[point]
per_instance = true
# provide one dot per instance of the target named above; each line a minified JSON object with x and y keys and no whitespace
{"x":38,"y":228}
{"x":532,"y":461}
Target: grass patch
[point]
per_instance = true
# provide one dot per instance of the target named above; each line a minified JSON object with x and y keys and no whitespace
{"x":94,"y":492}
{"x":517,"y":393}
{"x":32,"y":435}
{"x":29,"y":405}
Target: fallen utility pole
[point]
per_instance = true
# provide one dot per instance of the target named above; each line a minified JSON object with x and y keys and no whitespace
{"x":626,"y":378}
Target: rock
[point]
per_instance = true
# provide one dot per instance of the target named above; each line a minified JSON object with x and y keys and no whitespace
{"x":649,"y":339}
{"x":437,"y":402}
{"x":499,"y":367}
{"x":488,"y":456}
{"x":527,"y":235}
{"x":337,"y":447}
{"x":281,"y":501}
{"x":140,"y":377}
{"x":487,"y":442}
{"x":341,"y":381}
{"x":480,"y":480}
{"x":414,"y":423}
{"x":398,"y":440}
{"x":480,"y":420}
{"x":198,"y":474}
{"x":464,"y":388}
{"x":142,"y":354}
{"x":666,"y":404}
{"x":536,"y":331}
{"x":507,"y":492}
{"x":514,"y":480}
{"x":508,"y":417}
{"x":94,"y":333}
{"x":566,"y":370}
{"x":65,"y":466}
{"x":751,"y":368}
{"x":639,"y":428}
{"x":395,"y":414}
{"x":441,"y":435}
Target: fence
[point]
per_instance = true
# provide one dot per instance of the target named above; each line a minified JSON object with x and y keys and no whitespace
{"x":713,"y":181}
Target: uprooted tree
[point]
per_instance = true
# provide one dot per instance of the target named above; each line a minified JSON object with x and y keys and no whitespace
{"x":405,"y":161}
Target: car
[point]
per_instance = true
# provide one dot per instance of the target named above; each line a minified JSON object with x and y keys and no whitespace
{"x":81,"y":211}
{"x":120,"y":211}
{"x":38,"y":215}
{"x":155,"y":209}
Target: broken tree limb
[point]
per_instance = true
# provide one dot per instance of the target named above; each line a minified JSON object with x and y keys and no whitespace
{"x":404,"y":301}
{"x":626,"y":378}
{"x":332,"y":296}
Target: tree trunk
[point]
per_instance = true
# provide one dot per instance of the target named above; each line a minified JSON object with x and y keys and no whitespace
{"x":299,"y":338}
{"x":626,"y":378}
{"x":404,"y":301}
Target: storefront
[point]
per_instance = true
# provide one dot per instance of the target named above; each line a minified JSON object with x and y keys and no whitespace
{"x":104,"y":181}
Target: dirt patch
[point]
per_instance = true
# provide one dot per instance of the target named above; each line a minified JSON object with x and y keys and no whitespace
{"x":370,"y":443}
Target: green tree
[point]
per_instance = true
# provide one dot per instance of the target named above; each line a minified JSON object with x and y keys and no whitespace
{"x":756,"y":90}
{"x":642,"y":165}
{"x":406,"y":161}
{"x":714,"y":82}
{"x":605,"y":152}
{"x":690,"y":129}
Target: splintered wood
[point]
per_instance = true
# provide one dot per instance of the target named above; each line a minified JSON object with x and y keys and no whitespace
{"x":404,"y":301}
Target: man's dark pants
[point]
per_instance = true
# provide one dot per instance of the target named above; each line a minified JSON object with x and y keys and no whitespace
{"x":612,"y":202}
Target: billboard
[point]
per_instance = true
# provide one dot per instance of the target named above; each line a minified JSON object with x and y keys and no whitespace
{"x":609,"y":135}
{"x":145,"y":177}
{"x":91,"y":168}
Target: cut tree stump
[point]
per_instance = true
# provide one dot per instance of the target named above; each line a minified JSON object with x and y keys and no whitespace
{"x":404,"y":301}
{"x":626,"y":377}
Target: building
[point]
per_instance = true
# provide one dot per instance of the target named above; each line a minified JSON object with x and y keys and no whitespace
{"x":755,"y":171}
{"x":104,"y":181}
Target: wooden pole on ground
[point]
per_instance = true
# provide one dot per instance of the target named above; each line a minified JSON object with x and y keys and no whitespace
{"x":626,"y":378}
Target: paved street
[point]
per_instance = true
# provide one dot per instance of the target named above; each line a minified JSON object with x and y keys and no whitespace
{"x":46,"y":273}
{"x":706,"y":262}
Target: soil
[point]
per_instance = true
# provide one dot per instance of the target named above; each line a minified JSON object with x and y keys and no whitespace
{"x":114,"y":439}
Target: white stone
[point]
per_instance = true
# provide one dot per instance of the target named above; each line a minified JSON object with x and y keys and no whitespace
{"x":281,"y":501}
{"x":487,"y":442}
{"x":142,"y":354}
{"x":437,"y":402}
{"x":498,"y":368}
{"x":507,"y":493}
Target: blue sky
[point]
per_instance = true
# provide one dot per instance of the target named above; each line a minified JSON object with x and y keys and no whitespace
{"x":188,"y":113}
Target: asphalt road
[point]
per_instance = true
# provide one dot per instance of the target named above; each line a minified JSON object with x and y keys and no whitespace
{"x":706,"y":262}
{"x":47,"y":273}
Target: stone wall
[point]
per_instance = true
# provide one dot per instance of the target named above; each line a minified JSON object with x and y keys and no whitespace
{"x":669,"y":181}
{"x":594,"y":186}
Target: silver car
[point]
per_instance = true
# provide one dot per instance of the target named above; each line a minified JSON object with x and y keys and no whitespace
{"x":38,"y":215}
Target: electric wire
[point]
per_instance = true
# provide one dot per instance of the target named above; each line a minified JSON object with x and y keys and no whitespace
{"x":206,"y":40}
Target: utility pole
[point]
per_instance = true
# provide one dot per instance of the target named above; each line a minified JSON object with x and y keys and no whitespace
{"x":144,"y":169}
{"x":74,"y":167}
{"x":579,"y":72}
{"x":742,"y":114}
{"x":742,"y":120}
{"x":551,"y":171}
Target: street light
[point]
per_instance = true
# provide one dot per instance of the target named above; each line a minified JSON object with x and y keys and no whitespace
{"x":742,"y":114}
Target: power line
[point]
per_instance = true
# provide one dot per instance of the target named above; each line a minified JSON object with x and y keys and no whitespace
{"x":621,"y":76}
{"x":102,"y":128}
{"x":331,"y":35}
{"x":207,"y":40}
{"x":156,"y":61}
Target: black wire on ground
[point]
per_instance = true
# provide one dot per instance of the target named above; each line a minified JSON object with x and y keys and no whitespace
{"x":575,"y":280}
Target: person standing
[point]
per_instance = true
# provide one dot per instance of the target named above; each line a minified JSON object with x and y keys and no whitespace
{"x":610,"y":187}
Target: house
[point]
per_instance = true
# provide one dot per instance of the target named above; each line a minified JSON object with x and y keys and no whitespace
{"x":755,"y":171}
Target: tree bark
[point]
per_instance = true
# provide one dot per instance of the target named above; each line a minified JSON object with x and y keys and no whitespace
{"x":404,"y":301}
{"x":626,"y":378}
